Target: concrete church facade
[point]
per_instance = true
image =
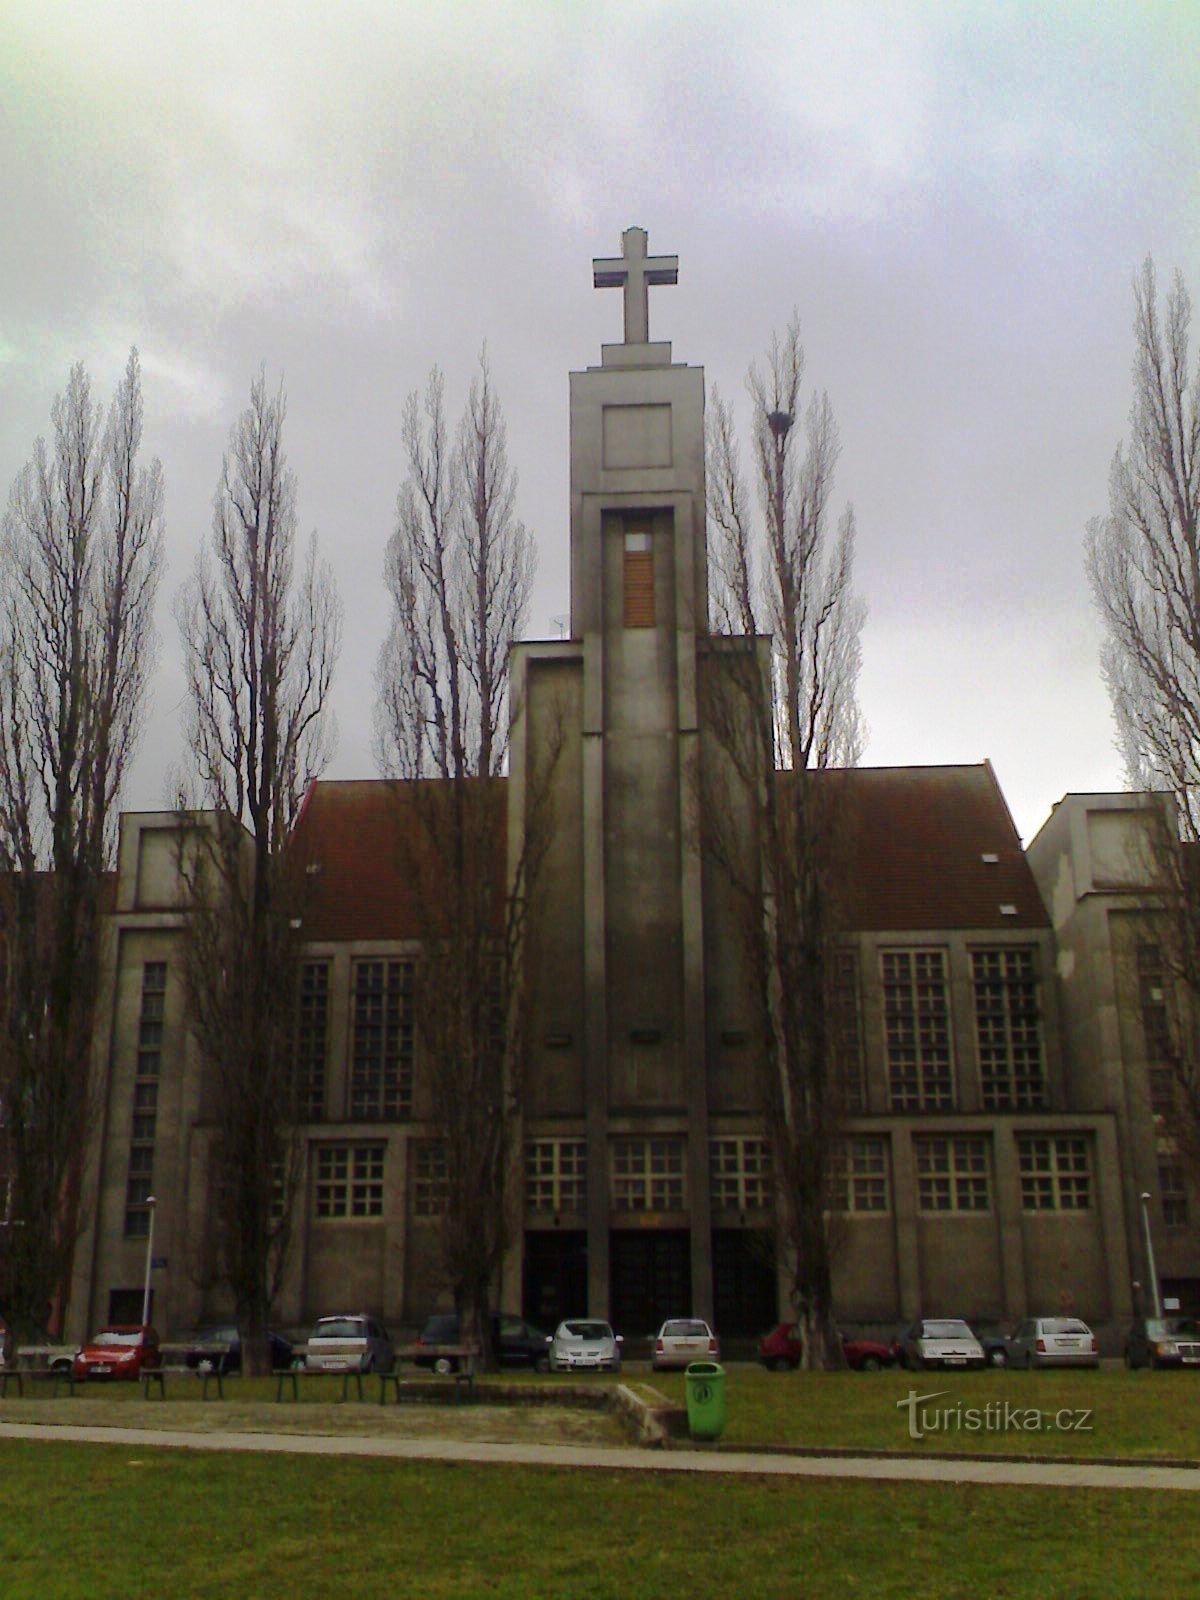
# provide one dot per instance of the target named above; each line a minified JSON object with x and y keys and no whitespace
{"x":993,"y":1154}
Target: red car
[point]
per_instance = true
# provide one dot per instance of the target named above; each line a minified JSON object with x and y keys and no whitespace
{"x":781,"y":1350}
{"x":122,"y":1351}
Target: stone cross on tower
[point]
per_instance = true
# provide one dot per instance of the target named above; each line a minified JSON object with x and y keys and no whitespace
{"x":634,"y":271}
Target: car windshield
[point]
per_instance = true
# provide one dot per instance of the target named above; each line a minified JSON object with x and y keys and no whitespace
{"x":1187,"y":1325}
{"x":1064,"y":1325}
{"x":335,"y":1329}
{"x":685,"y":1330}
{"x":586,"y":1330}
{"x":946,"y":1330}
{"x":114,"y":1336}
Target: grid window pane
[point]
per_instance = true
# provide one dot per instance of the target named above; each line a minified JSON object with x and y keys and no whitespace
{"x":647,"y":1174}
{"x":1009,"y":1030}
{"x":917,"y":1025}
{"x":555,"y":1175}
{"x":428,"y":1177}
{"x":381,"y":1069}
{"x":952,"y":1174}
{"x":1055,"y":1172}
{"x":311,"y":1040}
{"x":858,"y":1175}
{"x":847,"y":1034}
{"x":349,"y":1180}
{"x":740,"y":1174}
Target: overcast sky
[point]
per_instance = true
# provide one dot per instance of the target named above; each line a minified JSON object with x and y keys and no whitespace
{"x":955,"y":198}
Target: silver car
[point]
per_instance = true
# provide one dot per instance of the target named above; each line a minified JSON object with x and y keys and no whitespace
{"x":349,"y":1344}
{"x":684,"y":1339}
{"x":584,"y":1343}
{"x":1053,"y":1342}
{"x":941,"y":1342}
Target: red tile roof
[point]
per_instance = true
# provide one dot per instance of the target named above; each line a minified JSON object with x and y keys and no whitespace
{"x":358,"y":844}
{"x":918,"y":842}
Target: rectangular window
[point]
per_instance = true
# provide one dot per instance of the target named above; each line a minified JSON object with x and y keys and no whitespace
{"x":917,"y":1019}
{"x":647,"y":1175}
{"x":555,"y":1175}
{"x":858,"y":1175}
{"x":952,"y":1174}
{"x":1173,"y":1192}
{"x":1156,"y":1029}
{"x":638,"y":580}
{"x":740,"y":1174}
{"x":148,"y":1067}
{"x":1009,"y":1030}
{"x":150,"y":1021}
{"x":349,"y":1180}
{"x":1055,"y":1172}
{"x":847,"y":1034}
{"x":381,"y":1069}
{"x":429,"y":1177}
{"x":311,"y":1036}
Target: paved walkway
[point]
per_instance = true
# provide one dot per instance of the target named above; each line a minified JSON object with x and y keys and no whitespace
{"x":930,"y":1469}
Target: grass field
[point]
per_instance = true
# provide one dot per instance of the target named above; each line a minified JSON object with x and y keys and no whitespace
{"x":94,"y":1521}
{"x":109,"y":1522}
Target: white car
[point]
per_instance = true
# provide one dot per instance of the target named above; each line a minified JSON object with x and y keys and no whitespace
{"x":1053,"y":1342}
{"x":349,"y":1344}
{"x":584,"y":1343}
{"x":684,"y":1339}
{"x":941,"y":1342}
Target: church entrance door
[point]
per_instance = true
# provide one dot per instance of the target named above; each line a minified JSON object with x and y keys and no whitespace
{"x":556,"y":1277}
{"x":745,"y":1290}
{"x":650,"y":1280}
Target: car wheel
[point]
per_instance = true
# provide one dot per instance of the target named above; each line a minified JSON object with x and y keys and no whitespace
{"x":541,"y":1364}
{"x":869,"y":1364}
{"x":782,"y":1364}
{"x":997,"y":1358}
{"x":444,"y":1365}
{"x":62,"y":1366}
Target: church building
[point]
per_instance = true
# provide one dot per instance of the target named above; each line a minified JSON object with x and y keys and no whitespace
{"x":998,"y":1138}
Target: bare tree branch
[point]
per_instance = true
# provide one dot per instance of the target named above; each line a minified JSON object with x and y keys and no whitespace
{"x":459,"y":568}
{"x":781,"y":693}
{"x":261,"y":641}
{"x":81,"y":560}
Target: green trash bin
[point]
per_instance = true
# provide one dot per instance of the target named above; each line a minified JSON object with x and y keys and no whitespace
{"x":705,"y":1382}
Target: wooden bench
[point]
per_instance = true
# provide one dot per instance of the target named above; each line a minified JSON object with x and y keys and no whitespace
{"x":56,"y":1375}
{"x":292,"y":1376}
{"x":462,"y":1371}
{"x":156,"y":1378}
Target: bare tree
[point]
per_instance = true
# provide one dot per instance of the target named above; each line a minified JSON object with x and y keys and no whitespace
{"x":260,"y":640}
{"x":81,"y":559}
{"x":1143,"y":562}
{"x":783,"y":711}
{"x":459,"y":568}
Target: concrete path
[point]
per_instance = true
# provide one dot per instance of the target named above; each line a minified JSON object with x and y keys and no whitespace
{"x":907,"y":1469}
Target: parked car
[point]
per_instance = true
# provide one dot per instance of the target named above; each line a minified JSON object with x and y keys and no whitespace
{"x":517,"y":1343}
{"x":940,"y":1342}
{"x":124,"y":1350}
{"x":585,"y":1343}
{"x":1163,"y":1342}
{"x":782,"y":1350}
{"x":1053,"y":1342}
{"x":994,"y":1341}
{"x":684,"y":1339}
{"x":349,"y":1344}
{"x":221,"y":1348}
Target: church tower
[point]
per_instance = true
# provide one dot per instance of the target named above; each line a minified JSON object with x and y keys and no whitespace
{"x":617,"y":1187}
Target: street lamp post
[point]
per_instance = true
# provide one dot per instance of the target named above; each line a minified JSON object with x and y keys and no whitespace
{"x":152,"y":1203}
{"x":1155,"y":1296}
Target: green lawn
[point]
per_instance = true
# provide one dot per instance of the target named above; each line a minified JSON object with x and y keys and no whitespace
{"x":1137,"y":1415}
{"x":92,"y":1522}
